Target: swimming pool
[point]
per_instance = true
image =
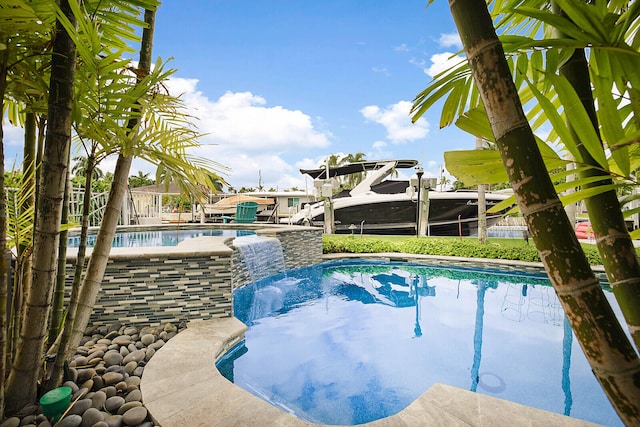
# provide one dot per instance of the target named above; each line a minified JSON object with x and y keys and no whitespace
{"x":352,"y":342}
{"x":159,"y":237}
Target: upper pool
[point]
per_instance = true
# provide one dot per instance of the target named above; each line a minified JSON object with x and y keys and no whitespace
{"x":355,"y":341}
{"x":159,"y":237}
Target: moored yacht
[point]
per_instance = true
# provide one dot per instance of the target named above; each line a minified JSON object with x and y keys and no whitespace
{"x":378,"y":205}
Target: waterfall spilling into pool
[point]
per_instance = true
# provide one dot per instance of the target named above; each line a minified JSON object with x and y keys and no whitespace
{"x":262,"y":256}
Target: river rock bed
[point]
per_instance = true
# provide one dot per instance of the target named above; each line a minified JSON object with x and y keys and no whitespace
{"x":104,"y":376}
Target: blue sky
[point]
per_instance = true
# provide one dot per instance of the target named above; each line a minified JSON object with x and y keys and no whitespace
{"x":280,"y":85}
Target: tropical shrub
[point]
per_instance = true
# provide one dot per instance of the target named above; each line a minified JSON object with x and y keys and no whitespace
{"x":510,"y":249}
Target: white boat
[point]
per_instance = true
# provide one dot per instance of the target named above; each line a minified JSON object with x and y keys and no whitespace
{"x":384,"y":206}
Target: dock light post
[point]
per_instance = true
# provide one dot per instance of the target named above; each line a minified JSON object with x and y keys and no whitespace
{"x":419,"y":173}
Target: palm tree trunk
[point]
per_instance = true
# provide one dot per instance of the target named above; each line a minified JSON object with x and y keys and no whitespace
{"x":100,"y":253}
{"x":26,"y":369}
{"x":482,"y":205}
{"x":611,"y":355}
{"x":42,"y":128}
{"x":63,"y":347}
{"x":22,"y":271}
{"x":4,"y":57}
{"x":571,"y":208}
{"x":57,"y":313}
{"x":614,"y":244}
{"x":102,"y":248}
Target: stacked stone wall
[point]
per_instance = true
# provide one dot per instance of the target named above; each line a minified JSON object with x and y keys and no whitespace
{"x":301,"y":247}
{"x":163,"y":289}
{"x":240,"y":275}
{"x":180,"y":287}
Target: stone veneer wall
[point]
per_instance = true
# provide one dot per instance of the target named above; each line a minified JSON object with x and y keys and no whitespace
{"x":187,"y":282}
{"x":163,"y":289}
{"x":301,"y":247}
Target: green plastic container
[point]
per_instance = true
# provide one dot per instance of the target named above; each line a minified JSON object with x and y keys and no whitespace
{"x":55,"y":402}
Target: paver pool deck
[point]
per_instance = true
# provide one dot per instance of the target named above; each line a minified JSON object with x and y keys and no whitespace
{"x":181,"y":386}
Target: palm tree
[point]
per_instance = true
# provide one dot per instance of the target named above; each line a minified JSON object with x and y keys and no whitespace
{"x":157,"y":131}
{"x":163,"y":140}
{"x":482,"y":204}
{"x":335,"y":160}
{"x":24,"y":30}
{"x":84,"y":166}
{"x":140,"y":180}
{"x":25,"y":372}
{"x":98,"y":261}
{"x":90,"y":48}
{"x":612,"y":357}
{"x":355,"y":178}
{"x":546,"y":86}
{"x":4,"y":57}
{"x":614,"y":244}
{"x":218,"y":182}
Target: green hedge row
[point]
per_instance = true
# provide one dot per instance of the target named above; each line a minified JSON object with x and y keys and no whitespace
{"x":514,"y":249}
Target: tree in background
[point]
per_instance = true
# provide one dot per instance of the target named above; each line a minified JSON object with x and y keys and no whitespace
{"x":350,"y":181}
{"x":355,"y":178}
{"x":140,"y":180}
{"x":82,"y":167}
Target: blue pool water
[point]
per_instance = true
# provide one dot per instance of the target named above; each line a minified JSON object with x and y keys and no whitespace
{"x":159,"y":237}
{"x":351,"y":342}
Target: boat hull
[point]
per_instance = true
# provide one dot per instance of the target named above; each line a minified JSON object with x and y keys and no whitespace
{"x":450,"y":214}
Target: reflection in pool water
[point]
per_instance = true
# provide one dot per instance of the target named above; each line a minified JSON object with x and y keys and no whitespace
{"x":159,"y":237}
{"x":351,"y":342}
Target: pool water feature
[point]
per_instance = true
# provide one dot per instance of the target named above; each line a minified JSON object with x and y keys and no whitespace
{"x":352,"y":342}
{"x":262,"y":256}
{"x":159,"y":237}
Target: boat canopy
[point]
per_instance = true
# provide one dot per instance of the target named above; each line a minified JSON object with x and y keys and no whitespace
{"x":321,"y":173}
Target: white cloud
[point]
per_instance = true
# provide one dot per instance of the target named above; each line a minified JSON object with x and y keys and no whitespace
{"x":442,"y":61}
{"x":308,"y":163}
{"x":13,"y":135}
{"x":401,"y":48}
{"x":395,"y":118}
{"x":244,"y":120}
{"x":450,"y":40}
{"x":179,"y":86}
{"x":381,"y":70}
{"x":380,"y":151}
{"x":250,"y":137}
{"x":418,"y":62}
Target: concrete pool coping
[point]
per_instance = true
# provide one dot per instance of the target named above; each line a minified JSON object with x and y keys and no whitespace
{"x":181,"y":385}
{"x":202,"y":245}
{"x":505,"y":264}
